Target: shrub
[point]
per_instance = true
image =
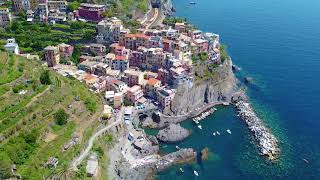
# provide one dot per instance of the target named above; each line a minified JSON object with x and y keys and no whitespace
{"x":91,"y":105}
{"x":18,"y":88}
{"x":61,"y":117}
{"x":45,"y":77}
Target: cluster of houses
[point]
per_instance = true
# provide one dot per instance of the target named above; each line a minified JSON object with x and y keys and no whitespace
{"x":135,"y":68}
{"x":52,"y":11}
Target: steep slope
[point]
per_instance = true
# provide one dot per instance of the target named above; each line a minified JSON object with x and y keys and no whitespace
{"x":216,"y":87}
{"x":29,"y":132}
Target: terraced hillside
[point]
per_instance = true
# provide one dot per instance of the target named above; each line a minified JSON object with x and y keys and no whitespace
{"x":29,"y":131}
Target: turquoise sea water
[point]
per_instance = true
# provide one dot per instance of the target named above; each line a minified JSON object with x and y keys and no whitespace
{"x":278,"y":44}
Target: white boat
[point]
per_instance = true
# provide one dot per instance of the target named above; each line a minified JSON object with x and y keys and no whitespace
{"x":218,"y":133}
{"x":200,"y":127}
{"x":195,"y":173}
{"x":177,"y":147}
{"x":181,"y":170}
{"x":214,"y":134}
{"x":228,"y":131}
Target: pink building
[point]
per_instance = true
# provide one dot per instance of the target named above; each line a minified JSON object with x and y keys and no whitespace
{"x":133,"y":41}
{"x":165,"y":97}
{"x":134,"y":77}
{"x":203,"y":45}
{"x":66,"y":50}
{"x":91,"y":12}
{"x":163,"y":76}
{"x":137,"y":57}
{"x":168,"y":45}
{"x":134,"y":93}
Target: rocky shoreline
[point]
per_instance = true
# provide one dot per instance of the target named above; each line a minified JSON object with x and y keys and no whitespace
{"x":267,"y":142}
{"x":173,"y":133}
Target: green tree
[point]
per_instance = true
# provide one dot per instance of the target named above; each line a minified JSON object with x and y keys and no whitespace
{"x":45,"y":77}
{"x":61,"y":117}
{"x":76,"y":54}
{"x":73,"y":6}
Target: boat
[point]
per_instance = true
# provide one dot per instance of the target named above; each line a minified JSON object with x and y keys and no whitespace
{"x":192,"y":2}
{"x":181,"y":170}
{"x":218,"y":133}
{"x":228,"y":131}
{"x":195,"y":173}
{"x":200,"y":127}
{"x":214,"y":134}
{"x":306,"y":161}
{"x":177,"y":147}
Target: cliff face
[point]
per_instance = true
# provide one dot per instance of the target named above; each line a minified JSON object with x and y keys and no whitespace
{"x":218,"y":89}
{"x":167,"y":7}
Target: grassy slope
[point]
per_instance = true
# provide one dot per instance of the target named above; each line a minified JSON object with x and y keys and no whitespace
{"x":28,"y":116}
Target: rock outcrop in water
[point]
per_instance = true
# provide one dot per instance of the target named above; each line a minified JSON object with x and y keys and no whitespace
{"x":173,"y":133}
{"x":218,"y":89}
{"x":267,"y":142}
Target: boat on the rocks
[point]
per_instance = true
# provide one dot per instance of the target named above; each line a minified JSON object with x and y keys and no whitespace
{"x":267,"y":142}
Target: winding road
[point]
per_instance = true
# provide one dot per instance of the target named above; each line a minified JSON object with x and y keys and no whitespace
{"x":89,"y":146}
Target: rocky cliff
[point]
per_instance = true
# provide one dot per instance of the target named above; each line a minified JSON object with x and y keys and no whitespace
{"x":167,"y":7}
{"x":219,"y":88}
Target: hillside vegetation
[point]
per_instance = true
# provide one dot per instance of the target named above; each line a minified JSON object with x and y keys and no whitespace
{"x":39,"y":115}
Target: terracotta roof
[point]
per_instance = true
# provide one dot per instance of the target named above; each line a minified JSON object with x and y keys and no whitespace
{"x":121,"y":58}
{"x":152,"y":81}
{"x":166,"y":41}
{"x":88,"y":77}
{"x":137,"y":36}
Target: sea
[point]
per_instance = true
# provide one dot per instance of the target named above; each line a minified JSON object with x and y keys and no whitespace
{"x":277,"y":43}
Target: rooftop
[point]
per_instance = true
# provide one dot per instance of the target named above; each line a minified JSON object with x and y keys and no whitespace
{"x":121,"y":58}
{"x":152,"y":81}
{"x":92,"y":5}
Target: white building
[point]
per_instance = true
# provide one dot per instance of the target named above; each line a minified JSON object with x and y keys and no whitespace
{"x":30,"y":15}
{"x":12,"y":46}
{"x":109,"y":30}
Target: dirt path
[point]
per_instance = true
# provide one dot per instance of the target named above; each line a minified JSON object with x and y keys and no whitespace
{"x":88,"y":147}
{"x":37,"y":96}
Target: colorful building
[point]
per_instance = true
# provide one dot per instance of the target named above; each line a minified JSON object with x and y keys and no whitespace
{"x":120,"y":63}
{"x":165,"y":97}
{"x":91,"y":12}
{"x":151,"y":87}
{"x":134,"y":93}
{"x":66,"y":50}
{"x":52,"y":55}
{"x":134,"y":77}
